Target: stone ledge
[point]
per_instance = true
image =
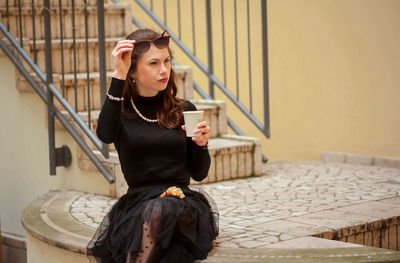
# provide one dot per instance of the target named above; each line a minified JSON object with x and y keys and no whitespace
{"x":325,"y":255}
{"x":48,"y":220}
{"x":215,"y":115}
{"x":311,"y":243}
{"x":360,"y":159}
{"x":51,"y":219}
{"x":80,"y":44}
{"x":184,"y":79}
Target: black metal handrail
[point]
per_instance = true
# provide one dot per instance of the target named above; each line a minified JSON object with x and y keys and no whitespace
{"x":208,"y":70}
{"x":47,"y":96}
{"x":196,"y":86}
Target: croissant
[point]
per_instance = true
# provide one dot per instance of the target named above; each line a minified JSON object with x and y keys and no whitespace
{"x":173,"y":191}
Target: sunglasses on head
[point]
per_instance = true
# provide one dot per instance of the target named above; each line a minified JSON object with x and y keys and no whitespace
{"x":143,"y":46}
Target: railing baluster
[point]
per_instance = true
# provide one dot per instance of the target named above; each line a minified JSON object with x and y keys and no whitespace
{"x":102,"y":48}
{"x":20,"y":22}
{"x":102,"y":59}
{"x":74,"y":47}
{"x":165,"y":11}
{"x":249,"y":55}
{"x":49,"y":81}
{"x":151,"y":5}
{"x":87,"y":63}
{"x":265,"y":67}
{"x":209,"y":47}
{"x":62,"y":49}
{"x":193,"y":29}
{"x":223,"y":39}
{"x":8,"y":16}
{"x":236,"y":52}
{"x":34,"y":32}
{"x":179,"y":20}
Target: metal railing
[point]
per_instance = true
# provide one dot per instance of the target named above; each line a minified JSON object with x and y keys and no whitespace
{"x":190,"y":46}
{"x":21,"y":21}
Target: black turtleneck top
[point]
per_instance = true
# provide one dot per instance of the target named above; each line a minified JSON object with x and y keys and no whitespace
{"x":148,"y":153}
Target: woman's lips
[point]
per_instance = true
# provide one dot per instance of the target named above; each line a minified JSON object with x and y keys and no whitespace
{"x":164,"y":80}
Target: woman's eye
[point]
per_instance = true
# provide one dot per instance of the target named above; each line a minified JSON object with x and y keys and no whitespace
{"x":167,"y":60}
{"x":153,"y":63}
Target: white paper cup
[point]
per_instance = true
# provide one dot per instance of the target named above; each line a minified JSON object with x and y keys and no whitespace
{"x":192,"y":118}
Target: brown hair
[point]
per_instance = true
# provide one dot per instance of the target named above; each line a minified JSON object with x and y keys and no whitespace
{"x":169,"y":112}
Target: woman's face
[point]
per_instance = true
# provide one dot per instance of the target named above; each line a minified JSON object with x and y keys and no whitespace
{"x":152,"y":71}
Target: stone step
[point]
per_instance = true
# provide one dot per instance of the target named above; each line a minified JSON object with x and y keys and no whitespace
{"x":68,"y":53}
{"x":60,"y":223}
{"x":232,"y":157}
{"x":116,"y":17}
{"x":28,"y":3}
{"x":69,"y":89}
{"x":183,"y":81}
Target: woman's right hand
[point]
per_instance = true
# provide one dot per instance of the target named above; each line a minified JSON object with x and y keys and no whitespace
{"x":122,"y":58}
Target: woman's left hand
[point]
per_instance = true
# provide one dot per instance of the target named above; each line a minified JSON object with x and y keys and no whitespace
{"x":204,"y":133}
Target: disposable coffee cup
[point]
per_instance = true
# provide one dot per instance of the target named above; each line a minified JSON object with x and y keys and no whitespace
{"x":192,"y":118}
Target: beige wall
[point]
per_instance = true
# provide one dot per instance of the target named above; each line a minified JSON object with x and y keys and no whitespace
{"x":334,"y":77}
{"x":24,"y":153}
{"x":40,"y":252}
{"x":334,"y":69}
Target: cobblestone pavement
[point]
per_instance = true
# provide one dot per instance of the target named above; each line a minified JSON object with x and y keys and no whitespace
{"x":259,"y":212}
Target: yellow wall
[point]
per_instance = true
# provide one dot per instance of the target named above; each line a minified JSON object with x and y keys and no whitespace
{"x":334,"y":69}
{"x":335,"y":74}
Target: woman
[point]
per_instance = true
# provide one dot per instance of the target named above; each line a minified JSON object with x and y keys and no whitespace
{"x":159,"y":219}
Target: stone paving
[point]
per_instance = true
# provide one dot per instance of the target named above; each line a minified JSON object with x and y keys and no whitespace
{"x":290,"y":201}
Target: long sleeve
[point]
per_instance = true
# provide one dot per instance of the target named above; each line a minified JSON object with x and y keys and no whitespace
{"x":198,"y":156}
{"x":109,"y":119}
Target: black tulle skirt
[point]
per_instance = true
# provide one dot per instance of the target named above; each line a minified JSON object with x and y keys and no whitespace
{"x":185,"y":228}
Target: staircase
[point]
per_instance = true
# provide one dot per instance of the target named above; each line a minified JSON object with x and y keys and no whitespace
{"x":231,"y":156}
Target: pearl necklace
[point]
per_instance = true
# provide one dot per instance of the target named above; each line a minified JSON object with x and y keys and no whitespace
{"x":140,"y":115}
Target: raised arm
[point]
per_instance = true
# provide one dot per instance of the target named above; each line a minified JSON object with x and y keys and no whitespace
{"x":109,"y":119}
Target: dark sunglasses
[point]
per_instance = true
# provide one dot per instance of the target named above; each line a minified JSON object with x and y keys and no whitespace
{"x":143,"y":46}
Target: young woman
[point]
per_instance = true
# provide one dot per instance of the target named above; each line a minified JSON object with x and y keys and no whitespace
{"x":159,"y":219}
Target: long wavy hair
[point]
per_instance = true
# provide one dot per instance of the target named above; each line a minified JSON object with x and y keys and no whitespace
{"x":170,"y":112}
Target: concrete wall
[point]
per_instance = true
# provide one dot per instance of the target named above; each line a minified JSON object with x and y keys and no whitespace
{"x":24,"y":154}
{"x":35,"y":249}
{"x":334,"y":69}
